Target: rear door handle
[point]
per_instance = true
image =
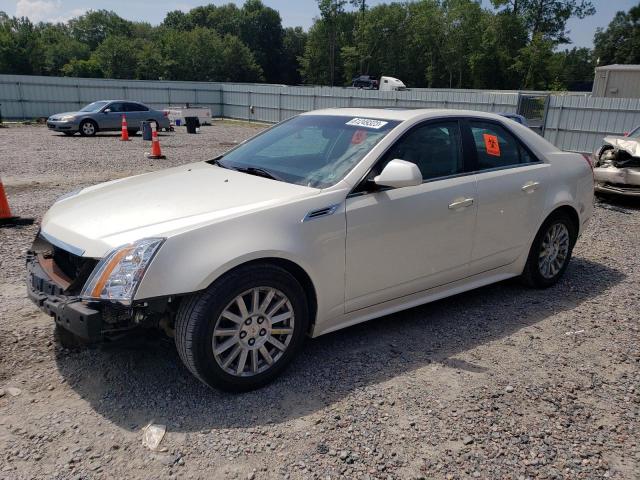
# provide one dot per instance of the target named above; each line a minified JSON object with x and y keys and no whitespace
{"x":462,"y":203}
{"x":530,"y":187}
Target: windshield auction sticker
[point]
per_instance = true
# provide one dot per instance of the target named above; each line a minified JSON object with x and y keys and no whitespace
{"x":367,"y":123}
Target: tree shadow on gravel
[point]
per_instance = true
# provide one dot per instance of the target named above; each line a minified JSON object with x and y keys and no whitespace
{"x":134,"y":381}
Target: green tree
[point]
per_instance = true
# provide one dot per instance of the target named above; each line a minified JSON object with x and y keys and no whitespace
{"x":620,"y":42}
{"x":117,"y":56}
{"x":547,"y":18}
{"x":261,"y":30}
{"x":21,"y":50}
{"x":294,"y":41}
{"x":60,"y":48}
{"x":95,"y":26}
{"x":82,"y":68}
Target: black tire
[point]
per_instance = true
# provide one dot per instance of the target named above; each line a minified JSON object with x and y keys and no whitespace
{"x":198,"y":314}
{"x":87,"y":132}
{"x":532,"y":274}
{"x":132,"y":132}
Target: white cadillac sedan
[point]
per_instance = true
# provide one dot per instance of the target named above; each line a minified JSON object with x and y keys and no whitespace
{"x":323,"y":221}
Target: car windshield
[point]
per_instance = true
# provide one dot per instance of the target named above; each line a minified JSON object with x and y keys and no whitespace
{"x":311,"y":150}
{"x":93,"y":107}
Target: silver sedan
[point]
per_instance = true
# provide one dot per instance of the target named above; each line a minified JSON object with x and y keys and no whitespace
{"x":106,"y":115}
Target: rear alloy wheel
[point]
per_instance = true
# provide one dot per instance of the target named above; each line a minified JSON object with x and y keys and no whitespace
{"x":550,"y":252}
{"x":241,"y":332}
{"x":88,"y":128}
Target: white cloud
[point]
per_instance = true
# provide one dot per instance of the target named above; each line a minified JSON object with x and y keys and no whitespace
{"x":45,"y":11}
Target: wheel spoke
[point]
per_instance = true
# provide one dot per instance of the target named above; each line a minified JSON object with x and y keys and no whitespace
{"x":267,"y":300}
{"x":254,"y":361}
{"x":225,"y":346}
{"x":231,"y":316}
{"x":232,"y":356}
{"x":277,"y":306}
{"x":277,"y":343}
{"x":242,"y":361}
{"x":281,"y":318}
{"x":224,"y":332}
{"x":265,"y":354}
{"x":255,"y":303}
{"x":242,"y":307}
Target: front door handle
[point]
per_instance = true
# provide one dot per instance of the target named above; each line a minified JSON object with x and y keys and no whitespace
{"x":461,"y":203}
{"x":530,"y":187}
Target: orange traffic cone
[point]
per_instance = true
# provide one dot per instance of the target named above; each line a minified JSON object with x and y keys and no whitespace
{"x":6,"y":218}
{"x":124,"y":136}
{"x":156,"y":153}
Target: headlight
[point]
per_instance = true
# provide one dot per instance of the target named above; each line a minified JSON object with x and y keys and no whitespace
{"x":68,"y":195}
{"x":67,"y":118}
{"x":118,"y":274}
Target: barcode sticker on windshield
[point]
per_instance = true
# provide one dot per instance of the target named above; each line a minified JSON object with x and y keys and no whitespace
{"x":367,"y":123}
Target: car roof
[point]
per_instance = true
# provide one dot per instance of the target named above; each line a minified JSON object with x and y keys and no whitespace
{"x":403,"y":114}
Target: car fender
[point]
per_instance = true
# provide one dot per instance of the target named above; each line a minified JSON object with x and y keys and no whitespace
{"x":191,"y":261}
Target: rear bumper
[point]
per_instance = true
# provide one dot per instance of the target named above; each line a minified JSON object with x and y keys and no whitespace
{"x":69,"y":312}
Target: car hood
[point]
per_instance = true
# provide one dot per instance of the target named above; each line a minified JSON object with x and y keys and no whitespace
{"x":162,"y":203}
{"x":58,"y":115}
{"x":630,"y":145}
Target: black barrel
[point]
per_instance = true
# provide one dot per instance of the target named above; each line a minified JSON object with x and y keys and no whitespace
{"x":192,"y":123}
{"x":146,"y":130}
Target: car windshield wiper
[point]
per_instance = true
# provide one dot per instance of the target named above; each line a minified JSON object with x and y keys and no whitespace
{"x":216,"y":161}
{"x":259,"y":172}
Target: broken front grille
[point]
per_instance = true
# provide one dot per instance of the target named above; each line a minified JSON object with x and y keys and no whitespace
{"x":76,"y":269}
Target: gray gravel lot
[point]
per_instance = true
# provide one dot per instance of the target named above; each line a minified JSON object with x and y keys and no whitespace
{"x":501,"y":382}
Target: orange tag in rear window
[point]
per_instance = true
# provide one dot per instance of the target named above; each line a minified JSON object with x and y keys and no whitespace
{"x":491,"y":144}
{"x":359,"y":136}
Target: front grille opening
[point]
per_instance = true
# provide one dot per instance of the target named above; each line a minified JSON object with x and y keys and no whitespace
{"x":76,"y":268}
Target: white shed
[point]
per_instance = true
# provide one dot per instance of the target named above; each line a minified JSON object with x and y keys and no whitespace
{"x":617,"y":81}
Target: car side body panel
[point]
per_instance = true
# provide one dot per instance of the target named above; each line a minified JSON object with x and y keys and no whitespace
{"x":312,"y":230}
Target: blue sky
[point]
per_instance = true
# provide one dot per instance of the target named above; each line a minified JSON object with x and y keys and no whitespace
{"x":293,"y":12}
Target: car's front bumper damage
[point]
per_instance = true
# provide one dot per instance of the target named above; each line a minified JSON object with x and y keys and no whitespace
{"x":55,"y":279}
{"x":69,"y":312}
{"x":617,"y":167}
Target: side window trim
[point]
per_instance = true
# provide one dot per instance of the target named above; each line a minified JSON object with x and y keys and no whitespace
{"x":464,"y":152}
{"x":470,"y":146}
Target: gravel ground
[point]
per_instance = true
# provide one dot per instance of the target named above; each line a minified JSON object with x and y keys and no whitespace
{"x":501,"y":382}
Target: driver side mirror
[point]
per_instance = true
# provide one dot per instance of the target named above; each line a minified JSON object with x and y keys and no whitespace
{"x":106,"y":110}
{"x":399,"y":173}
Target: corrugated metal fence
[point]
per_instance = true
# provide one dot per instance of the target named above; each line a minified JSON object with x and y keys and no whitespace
{"x":572,"y":122}
{"x":25,"y":96}
{"x":579,"y":123}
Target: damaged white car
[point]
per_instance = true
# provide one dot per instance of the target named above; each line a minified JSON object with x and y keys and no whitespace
{"x":326,"y":220}
{"x":617,"y":165}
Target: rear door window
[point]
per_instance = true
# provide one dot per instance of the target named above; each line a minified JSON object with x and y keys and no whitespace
{"x":497,"y":148}
{"x":136,"y":107}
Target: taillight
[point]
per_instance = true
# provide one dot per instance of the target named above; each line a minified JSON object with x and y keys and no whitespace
{"x":165,"y":113}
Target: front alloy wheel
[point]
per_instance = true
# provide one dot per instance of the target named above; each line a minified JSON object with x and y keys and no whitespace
{"x":241,"y":332}
{"x":253,"y":331}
